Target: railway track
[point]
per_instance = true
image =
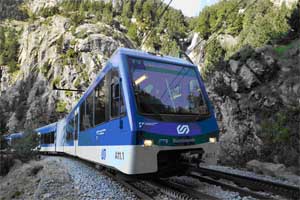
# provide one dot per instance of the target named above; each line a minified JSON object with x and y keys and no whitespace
{"x":160,"y":188}
{"x":254,"y":184}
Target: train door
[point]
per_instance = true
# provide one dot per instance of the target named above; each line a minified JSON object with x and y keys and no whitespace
{"x":116,"y":109}
{"x":60,"y":132}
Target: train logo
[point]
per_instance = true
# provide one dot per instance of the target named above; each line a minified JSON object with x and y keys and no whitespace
{"x":183,"y":129}
{"x":141,"y":124}
{"x":103,"y":154}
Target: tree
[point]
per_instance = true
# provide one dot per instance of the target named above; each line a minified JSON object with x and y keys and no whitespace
{"x":213,"y":54}
{"x":3,"y":142}
{"x":127,"y":9}
{"x":294,"y":20}
{"x":108,"y":13}
{"x":25,"y":147}
{"x":147,"y":12}
{"x":138,"y":7}
{"x":170,"y":47}
{"x":132,"y":33}
{"x":2,"y":45}
{"x":203,"y":26}
{"x":2,"y":39}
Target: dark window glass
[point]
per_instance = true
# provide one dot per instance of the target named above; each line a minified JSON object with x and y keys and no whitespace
{"x":52,"y":138}
{"x":116,"y":100}
{"x":89,"y":111}
{"x":82,"y":113}
{"x":162,"y":88}
{"x":76,"y":127}
{"x":100,"y":102}
{"x":70,"y":130}
{"x":47,"y":138}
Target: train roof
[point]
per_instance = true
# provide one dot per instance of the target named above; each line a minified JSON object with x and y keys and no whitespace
{"x":46,"y":129}
{"x":13,"y":136}
{"x":113,"y":61}
{"x":152,"y":56}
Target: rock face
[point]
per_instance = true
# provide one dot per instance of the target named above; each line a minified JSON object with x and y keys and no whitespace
{"x":276,"y":170}
{"x":256,"y":95}
{"x":54,"y":51}
{"x":10,"y":9}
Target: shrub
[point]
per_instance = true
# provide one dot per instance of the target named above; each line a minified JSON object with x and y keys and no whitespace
{"x":25,"y":147}
{"x":61,"y":107}
{"x":213,"y":55}
{"x":45,"y":68}
{"x":48,"y":11}
{"x":280,"y":134}
{"x":56,"y":81}
{"x":68,"y":93}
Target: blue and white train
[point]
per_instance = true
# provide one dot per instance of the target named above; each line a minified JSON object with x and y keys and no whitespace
{"x":141,"y":115}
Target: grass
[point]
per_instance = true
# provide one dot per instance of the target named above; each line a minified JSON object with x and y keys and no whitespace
{"x":283,"y":48}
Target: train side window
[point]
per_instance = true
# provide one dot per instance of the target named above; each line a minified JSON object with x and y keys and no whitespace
{"x":89,"y":111}
{"x":116,"y":96}
{"x":70,"y":130}
{"x":100,"y":102}
{"x":82,"y":113}
{"x":52,"y":138}
{"x":42,"y":139}
{"x":76,"y":127}
{"x":47,"y":138}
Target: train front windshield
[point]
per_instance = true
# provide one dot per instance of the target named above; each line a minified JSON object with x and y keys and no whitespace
{"x":166,"y":89}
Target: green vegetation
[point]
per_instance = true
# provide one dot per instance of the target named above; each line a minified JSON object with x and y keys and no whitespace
{"x":77,"y":82}
{"x":24,"y":148}
{"x":45,"y":68}
{"x":277,"y":130}
{"x":139,"y":17}
{"x":56,"y":81}
{"x":68,"y":93}
{"x":281,"y":49}
{"x":61,"y":106}
{"x":48,"y":11}
{"x":214,"y":53}
{"x":253,"y":23}
{"x":9,"y":48}
{"x":280,"y":134}
{"x":3,"y":143}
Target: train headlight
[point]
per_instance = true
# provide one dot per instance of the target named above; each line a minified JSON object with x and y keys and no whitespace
{"x":148,"y":143}
{"x":212,"y":140}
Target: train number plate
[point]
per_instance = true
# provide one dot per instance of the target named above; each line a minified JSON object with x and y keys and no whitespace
{"x":119,"y":155}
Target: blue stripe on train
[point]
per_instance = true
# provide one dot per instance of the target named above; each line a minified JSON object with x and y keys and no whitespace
{"x":107,"y":134}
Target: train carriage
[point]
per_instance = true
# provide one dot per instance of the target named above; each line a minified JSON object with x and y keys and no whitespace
{"x":141,"y":115}
{"x":47,"y":137}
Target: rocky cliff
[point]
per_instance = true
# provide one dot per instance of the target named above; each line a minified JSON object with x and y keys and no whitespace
{"x":256,"y":94}
{"x":52,"y":51}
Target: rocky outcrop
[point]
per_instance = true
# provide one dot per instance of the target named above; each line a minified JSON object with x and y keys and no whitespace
{"x":273,"y":169}
{"x":54,"y":51}
{"x":256,"y":94}
{"x":287,"y":3}
{"x":196,"y":50}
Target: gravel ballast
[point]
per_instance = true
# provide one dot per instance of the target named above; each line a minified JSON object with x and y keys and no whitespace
{"x":93,"y":184}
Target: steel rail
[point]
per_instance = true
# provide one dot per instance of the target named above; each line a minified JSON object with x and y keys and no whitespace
{"x":181,"y":191}
{"x":252,"y":183}
{"x":129,"y":184}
